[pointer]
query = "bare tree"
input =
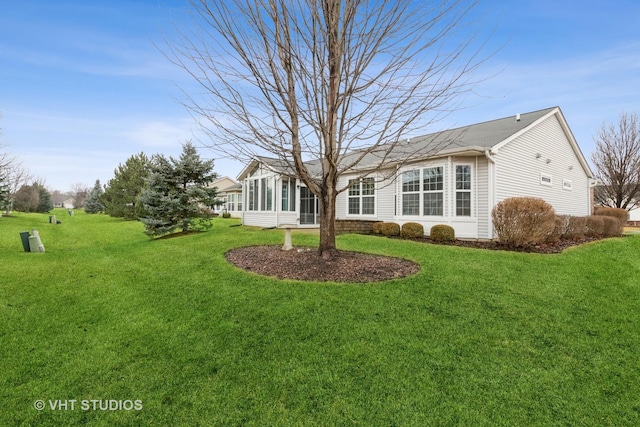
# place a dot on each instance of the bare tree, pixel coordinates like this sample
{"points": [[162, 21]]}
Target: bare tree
{"points": [[15, 176], [617, 163], [329, 81], [79, 192]]}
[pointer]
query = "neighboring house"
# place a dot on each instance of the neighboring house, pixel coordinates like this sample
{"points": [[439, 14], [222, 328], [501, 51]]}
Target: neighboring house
{"points": [[62, 201], [532, 154], [230, 194]]}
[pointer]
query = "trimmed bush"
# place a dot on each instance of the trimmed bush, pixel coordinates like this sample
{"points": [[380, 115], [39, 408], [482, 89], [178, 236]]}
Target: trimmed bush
{"points": [[575, 227], [377, 227], [622, 215], [611, 226], [522, 221], [226, 215], [594, 226], [390, 229], [412, 230], [442, 233], [558, 229]]}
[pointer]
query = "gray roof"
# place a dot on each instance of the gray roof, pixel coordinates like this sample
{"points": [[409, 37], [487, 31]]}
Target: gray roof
{"points": [[475, 138]]}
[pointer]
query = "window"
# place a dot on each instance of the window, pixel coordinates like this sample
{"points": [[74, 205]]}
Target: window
{"points": [[463, 190], [361, 196], [231, 202], [266, 193], [432, 185], [259, 194], [546, 179], [253, 196], [288, 194], [411, 192]]}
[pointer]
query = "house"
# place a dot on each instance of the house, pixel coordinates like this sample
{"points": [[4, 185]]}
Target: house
{"points": [[230, 196], [465, 174], [60, 200]]}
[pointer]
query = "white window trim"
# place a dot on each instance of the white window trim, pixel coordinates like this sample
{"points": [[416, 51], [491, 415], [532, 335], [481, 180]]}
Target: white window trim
{"points": [[421, 191], [543, 177], [443, 191], [567, 184], [360, 197], [471, 191]]}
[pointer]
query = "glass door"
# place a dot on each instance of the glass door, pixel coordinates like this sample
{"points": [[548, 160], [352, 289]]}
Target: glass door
{"points": [[308, 206]]}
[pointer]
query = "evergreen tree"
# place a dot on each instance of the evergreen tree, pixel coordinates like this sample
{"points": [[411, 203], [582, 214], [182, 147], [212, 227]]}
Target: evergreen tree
{"points": [[93, 203], [120, 197], [178, 193], [45, 204]]}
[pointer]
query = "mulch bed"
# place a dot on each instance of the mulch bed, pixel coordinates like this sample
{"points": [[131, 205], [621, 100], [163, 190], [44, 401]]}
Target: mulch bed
{"points": [[355, 267], [306, 264]]}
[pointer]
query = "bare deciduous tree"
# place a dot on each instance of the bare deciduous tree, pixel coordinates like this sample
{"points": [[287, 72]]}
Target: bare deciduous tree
{"points": [[617, 163], [330, 81]]}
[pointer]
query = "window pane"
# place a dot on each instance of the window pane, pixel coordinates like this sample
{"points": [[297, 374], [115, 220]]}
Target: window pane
{"points": [[269, 194], [354, 187], [433, 204], [368, 187], [354, 205], [463, 203], [463, 177], [411, 204], [368, 205], [285, 195], [432, 179], [411, 181]]}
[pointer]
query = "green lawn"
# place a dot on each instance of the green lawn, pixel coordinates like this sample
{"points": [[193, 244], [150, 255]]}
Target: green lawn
{"points": [[477, 338]]}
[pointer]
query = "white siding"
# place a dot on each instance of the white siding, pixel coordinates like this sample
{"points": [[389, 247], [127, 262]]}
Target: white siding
{"points": [[544, 149]]}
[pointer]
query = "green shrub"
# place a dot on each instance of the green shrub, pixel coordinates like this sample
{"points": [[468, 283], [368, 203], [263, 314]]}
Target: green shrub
{"points": [[412, 230], [622, 215], [226, 215], [575, 227], [442, 233], [390, 229], [611, 226], [521, 221], [594, 226], [377, 227]]}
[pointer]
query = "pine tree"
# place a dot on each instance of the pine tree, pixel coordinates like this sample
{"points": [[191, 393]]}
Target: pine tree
{"points": [[120, 198], [178, 193], [93, 203], [44, 198]]}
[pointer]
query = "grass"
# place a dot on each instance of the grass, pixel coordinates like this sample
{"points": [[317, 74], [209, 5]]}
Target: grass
{"points": [[477, 338]]}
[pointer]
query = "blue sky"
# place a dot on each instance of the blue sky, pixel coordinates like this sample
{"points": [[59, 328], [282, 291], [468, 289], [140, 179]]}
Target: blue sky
{"points": [[82, 86]]}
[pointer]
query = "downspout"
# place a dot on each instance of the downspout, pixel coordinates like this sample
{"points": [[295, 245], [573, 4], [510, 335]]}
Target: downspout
{"points": [[491, 191]]}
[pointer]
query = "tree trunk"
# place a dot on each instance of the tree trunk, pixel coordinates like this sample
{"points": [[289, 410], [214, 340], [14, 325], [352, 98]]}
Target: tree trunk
{"points": [[327, 248]]}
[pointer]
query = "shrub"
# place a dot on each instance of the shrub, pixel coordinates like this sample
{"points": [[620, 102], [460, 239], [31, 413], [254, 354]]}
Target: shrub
{"points": [[622, 215], [442, 233], [611, 226], [594, 226], [558, 229], [521, 221], [377, 227], [390, 229], [412, 230], [226, 215], [575, 227]]}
